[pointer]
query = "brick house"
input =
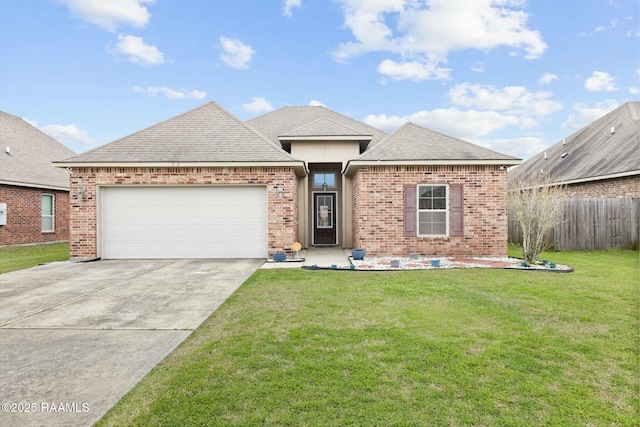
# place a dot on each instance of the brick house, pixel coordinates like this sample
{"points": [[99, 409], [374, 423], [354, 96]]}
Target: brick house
{"points": [[205, 184], [601, 160], [34, 195]]}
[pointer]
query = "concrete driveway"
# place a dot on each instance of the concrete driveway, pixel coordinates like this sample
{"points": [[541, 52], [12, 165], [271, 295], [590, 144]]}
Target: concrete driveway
{"points": [[75, 337]]}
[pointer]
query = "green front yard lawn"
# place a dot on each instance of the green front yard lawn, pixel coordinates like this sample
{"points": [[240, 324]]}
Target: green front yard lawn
{"points": [[448, 347], [19, 257]]}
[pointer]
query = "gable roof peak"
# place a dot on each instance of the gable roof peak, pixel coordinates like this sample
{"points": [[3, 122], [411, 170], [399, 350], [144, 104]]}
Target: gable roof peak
{"points": [[415, 142], [324, 126], [31, 151], [207, 133], [288, 119]]}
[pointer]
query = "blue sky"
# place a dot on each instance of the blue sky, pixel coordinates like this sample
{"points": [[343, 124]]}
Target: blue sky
{"points": [[512, 75]]}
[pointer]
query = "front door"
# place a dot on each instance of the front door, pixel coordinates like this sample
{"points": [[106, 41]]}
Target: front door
{"points": [[324, 222]]}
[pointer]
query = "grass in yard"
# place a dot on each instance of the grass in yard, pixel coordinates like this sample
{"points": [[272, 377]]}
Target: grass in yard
{"points": [[448, 347], [19, 257]]}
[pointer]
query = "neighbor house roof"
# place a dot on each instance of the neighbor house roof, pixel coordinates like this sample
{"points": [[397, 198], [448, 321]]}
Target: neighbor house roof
{"points": [[607, 148], [291, 121], [413, 144], [27, 153], [205, 135]]}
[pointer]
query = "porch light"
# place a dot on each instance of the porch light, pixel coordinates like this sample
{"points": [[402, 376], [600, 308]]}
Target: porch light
{"points": [[81, 191], [324, 187], [280, 191]]}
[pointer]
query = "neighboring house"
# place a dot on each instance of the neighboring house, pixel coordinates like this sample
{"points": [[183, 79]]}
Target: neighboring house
{"points": [[601, 160], [599, 168], [205, 184], [34, 195]]}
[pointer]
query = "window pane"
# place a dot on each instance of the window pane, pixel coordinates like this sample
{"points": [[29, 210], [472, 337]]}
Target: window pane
{"points": [[439, 203], [426, 204], [439, 228], [432, 223], [324, 178], [330, 179], [47, 223], [47, 204], [439, 191], [425, 191]]}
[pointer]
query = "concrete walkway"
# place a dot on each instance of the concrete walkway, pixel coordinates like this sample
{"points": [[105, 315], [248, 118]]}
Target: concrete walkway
{"points": [[321, 257], [74, 338]]}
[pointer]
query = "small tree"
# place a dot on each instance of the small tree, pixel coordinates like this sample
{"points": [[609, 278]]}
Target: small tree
{"points": [[535, 205]]}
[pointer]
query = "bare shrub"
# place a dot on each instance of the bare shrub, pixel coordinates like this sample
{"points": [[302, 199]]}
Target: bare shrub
{"points": [[535, 205]]}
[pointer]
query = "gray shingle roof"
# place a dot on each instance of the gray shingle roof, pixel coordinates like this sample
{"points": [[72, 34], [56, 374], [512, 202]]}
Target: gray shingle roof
{"points": [[593, 151], [285, 120], [32, 152], [413, 142], [325, 126], [205, 134]]}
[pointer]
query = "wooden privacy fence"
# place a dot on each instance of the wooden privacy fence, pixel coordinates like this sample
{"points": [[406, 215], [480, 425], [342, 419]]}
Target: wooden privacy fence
{"points": [[593, 224]]}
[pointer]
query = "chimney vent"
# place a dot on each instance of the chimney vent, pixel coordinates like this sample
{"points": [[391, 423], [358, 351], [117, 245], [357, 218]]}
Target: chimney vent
{"points": [[613, 130]]}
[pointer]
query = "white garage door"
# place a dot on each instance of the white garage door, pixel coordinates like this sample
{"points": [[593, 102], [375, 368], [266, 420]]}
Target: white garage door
{"points": [[183, 222]]}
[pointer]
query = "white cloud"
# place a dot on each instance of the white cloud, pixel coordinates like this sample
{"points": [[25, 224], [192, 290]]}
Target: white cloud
{"points": [[136, 51], [110, 14], [412, 70], [511, 99], [600, 82], [467, 124], [523, 148], [422, 34], [612, 24], [316, 103], [170, 93], [236, 54], [478, 67], [585, 113], [289, 5], [68, 134], [547, 78], [257, 105]]}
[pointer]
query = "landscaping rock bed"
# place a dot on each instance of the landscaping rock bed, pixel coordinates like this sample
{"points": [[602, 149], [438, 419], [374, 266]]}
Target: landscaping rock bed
{"points": [[425, 263]]}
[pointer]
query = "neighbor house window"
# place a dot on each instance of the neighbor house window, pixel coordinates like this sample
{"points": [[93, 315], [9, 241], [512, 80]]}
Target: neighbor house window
{"points": [[47, 212], [324, 179], [432, 210]]}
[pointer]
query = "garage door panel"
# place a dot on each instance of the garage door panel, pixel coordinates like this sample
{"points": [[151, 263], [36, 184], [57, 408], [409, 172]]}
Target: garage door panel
{"points": [[184, 222]]}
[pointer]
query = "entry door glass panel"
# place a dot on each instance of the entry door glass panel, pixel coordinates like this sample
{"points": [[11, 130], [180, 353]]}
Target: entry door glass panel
{"points": [[325, 222], [324, 211]]}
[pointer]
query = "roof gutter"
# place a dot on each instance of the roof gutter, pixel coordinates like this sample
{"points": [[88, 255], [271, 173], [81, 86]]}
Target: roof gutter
{"points": [[34, 185], [299, 167], [354, 165], [591, 179], [357, 138]]}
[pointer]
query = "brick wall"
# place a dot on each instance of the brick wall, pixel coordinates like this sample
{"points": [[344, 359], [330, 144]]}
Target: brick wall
{"points": [[283, 212], [628, 186], [378, 210], [24, 216]]}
